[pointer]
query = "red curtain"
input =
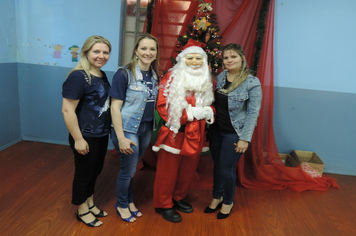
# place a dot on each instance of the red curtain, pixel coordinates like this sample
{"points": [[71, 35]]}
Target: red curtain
{"points": [[238, 23], [261, 167], [170, 19]]}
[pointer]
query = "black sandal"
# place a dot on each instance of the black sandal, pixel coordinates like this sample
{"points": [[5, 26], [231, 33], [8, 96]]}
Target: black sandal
{"points": [[100, 214], [91, 224]]}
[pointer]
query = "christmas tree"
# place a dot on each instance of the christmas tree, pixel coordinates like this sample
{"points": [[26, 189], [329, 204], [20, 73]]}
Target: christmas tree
{"points": [[204, 28]]}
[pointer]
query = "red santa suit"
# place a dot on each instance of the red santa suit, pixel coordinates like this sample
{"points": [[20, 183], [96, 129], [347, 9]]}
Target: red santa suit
{"points": [[179, 149]]}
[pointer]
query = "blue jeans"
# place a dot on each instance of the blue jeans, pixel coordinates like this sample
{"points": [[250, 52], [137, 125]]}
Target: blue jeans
{"points": [[128, 163], [225, 159]]}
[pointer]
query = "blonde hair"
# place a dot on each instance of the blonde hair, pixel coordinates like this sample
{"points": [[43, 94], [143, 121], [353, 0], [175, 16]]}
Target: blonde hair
{"points": [[244, 72], [83, 63], [133, 62]]}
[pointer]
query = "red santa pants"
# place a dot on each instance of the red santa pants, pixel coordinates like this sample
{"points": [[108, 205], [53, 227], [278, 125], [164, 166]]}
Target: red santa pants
{"points": [[174, 175]]}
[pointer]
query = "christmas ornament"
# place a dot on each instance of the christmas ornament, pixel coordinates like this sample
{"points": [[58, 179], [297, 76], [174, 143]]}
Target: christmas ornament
{"points": [[205, 6], [202, 23], [207, 36]]}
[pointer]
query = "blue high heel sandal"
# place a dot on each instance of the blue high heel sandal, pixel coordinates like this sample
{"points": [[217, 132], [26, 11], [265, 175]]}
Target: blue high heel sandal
{"points": [[135, 213], [124, 219]]}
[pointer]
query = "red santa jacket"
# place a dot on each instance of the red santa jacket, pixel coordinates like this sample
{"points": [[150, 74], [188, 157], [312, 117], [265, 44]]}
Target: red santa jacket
{"points": [[188, 143]]}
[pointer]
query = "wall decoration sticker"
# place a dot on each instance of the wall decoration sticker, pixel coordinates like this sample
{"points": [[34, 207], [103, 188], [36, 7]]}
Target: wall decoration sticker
{"points": [[74, 51]]}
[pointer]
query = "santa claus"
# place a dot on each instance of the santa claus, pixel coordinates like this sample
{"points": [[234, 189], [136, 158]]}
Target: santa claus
{"points": [[184, 103]]}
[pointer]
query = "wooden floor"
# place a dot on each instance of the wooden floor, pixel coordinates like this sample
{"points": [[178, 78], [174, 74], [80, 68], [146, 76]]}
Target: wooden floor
{"points": [[35, 199]]}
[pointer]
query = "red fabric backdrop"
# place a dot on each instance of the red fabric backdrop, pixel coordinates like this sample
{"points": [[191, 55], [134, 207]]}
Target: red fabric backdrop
{"points": [[238, 23], [261, 167], [170, 20]]}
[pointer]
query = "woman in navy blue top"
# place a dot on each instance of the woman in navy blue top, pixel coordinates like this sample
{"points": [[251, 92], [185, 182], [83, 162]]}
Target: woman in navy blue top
{"points": [[133, 97], [86, 112]]}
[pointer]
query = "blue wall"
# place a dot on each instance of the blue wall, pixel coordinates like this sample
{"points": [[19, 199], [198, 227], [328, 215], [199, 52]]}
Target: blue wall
{"points": [[314, 44], [315, 90], [318, 121], [10, 127], [43, 24], [8, 40], [41, 102], [31, 101]]}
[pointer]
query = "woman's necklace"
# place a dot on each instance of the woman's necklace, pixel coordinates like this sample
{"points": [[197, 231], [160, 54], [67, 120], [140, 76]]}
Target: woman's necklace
{"points": [[146, 72]]}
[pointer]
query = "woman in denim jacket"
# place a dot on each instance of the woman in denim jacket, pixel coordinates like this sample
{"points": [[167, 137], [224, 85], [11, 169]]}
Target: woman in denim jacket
{"points": [[238, 98], [133, 95]]}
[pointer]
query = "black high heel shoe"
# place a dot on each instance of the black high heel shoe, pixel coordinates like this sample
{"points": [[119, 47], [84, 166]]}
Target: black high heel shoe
{"points": [[100, 214], [211, 210], [224, 216], [90, 224]]}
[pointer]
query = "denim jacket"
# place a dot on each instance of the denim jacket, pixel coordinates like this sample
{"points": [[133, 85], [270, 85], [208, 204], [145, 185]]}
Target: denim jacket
{"points": [[135, 103], [244, 105]]}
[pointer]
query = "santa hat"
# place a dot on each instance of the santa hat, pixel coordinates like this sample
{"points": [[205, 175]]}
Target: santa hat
{"points": [[191, 47]]}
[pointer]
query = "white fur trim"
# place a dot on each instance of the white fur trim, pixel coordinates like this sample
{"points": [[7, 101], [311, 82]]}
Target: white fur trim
{"points": [[205, 149], [189, 113], [166, 148], [192, 49]]}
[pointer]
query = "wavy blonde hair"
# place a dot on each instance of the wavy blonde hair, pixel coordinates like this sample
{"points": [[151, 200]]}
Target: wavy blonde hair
{"points": [[83, 63], [133, 62], [244, 72]]}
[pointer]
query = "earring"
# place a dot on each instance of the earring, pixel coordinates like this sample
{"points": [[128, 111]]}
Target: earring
{"points": [[136, 57]]}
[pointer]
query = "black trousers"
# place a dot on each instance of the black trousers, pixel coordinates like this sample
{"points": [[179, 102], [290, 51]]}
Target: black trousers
{"points": [[87, 168]]}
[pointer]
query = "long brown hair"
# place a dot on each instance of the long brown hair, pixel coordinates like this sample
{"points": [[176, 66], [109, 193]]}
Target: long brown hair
{"points": [[132, 64], [244, 72]]}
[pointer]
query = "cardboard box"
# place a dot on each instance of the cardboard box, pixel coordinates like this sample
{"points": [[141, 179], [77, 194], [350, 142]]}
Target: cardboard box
{"points": [[288, 160], [310, 162]]}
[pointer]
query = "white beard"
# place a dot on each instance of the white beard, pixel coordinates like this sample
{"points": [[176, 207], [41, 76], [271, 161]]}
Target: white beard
{"points": [[194, 79], [182, 82]]}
